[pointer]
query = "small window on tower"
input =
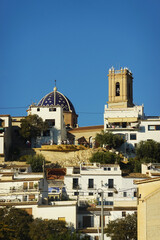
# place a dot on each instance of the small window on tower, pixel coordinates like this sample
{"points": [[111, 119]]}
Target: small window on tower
{"points": [[117, 89], [38, 109]]}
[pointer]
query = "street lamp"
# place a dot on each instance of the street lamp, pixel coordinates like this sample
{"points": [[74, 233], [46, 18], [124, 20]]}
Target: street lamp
{"points": [[102, 214]]}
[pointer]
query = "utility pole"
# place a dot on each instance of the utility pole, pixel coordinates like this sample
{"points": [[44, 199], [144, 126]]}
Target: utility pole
{"points": [[102, 217]]}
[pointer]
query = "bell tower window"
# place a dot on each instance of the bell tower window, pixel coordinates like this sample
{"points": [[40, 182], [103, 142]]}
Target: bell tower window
{"points": [[117, 89]]}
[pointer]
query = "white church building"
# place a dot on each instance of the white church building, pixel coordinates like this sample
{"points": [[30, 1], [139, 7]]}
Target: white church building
{"points": [[122, 117], [51, 109]]}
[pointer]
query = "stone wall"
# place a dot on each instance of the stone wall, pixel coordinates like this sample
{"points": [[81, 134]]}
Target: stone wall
{"points": [[67, 158]]}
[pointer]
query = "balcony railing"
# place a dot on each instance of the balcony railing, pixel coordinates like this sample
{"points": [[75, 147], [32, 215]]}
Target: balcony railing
{"points": [[12, 190], [76, 187]]}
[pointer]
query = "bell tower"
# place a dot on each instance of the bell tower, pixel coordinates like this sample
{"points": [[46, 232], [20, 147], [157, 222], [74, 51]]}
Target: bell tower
{"points": [[120, 88]]}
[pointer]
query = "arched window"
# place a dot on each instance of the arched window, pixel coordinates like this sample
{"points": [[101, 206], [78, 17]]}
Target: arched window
{"points": [[117, 89]]}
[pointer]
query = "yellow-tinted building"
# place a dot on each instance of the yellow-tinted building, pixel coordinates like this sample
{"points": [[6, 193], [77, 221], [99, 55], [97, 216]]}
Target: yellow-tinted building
{"points": [[149, 209]]}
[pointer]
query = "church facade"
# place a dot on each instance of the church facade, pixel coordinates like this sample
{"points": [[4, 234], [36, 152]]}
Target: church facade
{"points": [[122, 117]]}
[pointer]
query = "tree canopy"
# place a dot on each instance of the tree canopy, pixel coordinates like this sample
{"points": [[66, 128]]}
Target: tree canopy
{"points": [[123, 228], [105, 157], [148, 151], [14, 224], [36, 162], [109, 139], [52, 230], [17, 224], [31, 126]]}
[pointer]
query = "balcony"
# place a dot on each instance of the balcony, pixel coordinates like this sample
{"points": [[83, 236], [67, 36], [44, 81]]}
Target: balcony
{"points": [[118, 126], [76, 187], [16, 190]]}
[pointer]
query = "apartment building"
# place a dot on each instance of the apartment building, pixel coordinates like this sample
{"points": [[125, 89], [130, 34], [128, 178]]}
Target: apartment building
{"points": [[86, 184]]}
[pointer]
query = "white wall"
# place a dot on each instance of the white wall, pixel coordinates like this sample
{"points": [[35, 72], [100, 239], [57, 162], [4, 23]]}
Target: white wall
{"points": [[101, 180], [57, 132], [5, 137], [134, 112], [1, 144]]}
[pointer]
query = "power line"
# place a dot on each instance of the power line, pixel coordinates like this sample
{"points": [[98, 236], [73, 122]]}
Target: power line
{"points": [[13, 107], [90, 112], [29, 105]]}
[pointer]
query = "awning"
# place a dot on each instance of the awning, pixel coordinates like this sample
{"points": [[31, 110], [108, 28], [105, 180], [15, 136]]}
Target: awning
{"points": [[114, 120]]}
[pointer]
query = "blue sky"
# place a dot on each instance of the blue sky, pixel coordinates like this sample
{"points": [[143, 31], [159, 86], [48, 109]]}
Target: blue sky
{"points": [[76, 42]]}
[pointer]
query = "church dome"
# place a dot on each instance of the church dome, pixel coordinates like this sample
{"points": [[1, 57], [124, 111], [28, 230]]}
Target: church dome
{"points": [[57, 98]]}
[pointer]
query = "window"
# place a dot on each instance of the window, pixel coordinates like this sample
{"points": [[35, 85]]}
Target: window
{"points": [[25, 198], [110, 183], [90, 194], [115, 168], [75, 183], [90, 183], [38, 109], [133, 136], [107, 203], [107, 169], [46, 133], [30, 185], [87, 221], [1, 130], [124, 194], [31, 197], [25, 185], [110, 194], [135, 194], [124, 125], [52, 109], [51, 122], [117, 89], [123, 214], [153, 127], [1, 122], [157, 127], [76, 193]]}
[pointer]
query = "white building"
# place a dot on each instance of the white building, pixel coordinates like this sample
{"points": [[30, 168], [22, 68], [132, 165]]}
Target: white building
{"points": [[59, 112], [62, 210], [86, 184], [5, 136], [26, 187], [122, 117], [14, 168], [54, 117], [29, 191], [151, 169]]}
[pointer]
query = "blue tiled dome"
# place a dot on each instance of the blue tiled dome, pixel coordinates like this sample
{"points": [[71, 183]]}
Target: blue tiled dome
{"points": [[57, 98]]}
